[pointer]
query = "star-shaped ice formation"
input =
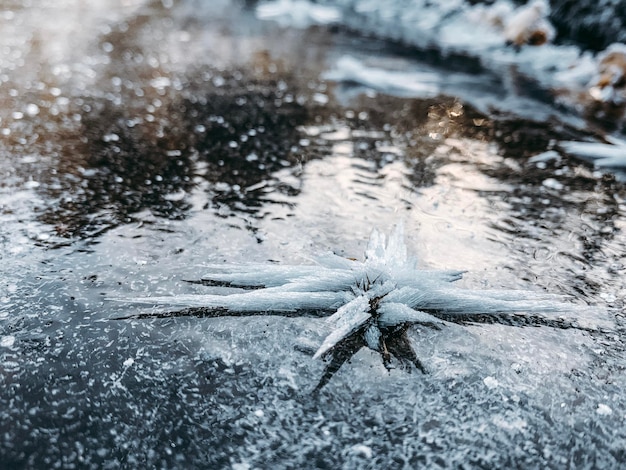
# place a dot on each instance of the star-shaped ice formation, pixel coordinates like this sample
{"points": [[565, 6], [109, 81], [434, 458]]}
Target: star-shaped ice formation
{"points": [[374, 301]]}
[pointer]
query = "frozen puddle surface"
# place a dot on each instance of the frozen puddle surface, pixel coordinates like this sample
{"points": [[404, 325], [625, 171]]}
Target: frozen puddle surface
{"points": [[176, 139]]}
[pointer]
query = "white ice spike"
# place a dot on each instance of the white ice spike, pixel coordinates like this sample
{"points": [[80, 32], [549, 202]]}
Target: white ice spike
{"points": [[374, 301]]}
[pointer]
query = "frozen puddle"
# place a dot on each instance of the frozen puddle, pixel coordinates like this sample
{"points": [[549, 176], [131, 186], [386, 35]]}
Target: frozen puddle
{"points": [[180, 141]]}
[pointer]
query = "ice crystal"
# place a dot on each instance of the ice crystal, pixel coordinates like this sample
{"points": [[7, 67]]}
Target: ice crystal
{"points": [[370, 303], [612, 155]]}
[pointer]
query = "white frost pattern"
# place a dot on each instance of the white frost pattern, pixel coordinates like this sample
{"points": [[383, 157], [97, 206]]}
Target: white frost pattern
{"points": [[374, 301], [611, 155]]}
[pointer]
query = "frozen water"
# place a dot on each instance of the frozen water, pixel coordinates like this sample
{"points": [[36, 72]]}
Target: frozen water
{"points": [[379, 295], [7, 341], [126, 183]]}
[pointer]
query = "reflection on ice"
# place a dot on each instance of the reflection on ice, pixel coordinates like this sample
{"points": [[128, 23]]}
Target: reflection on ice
{"points": [[298, 13], [413, 83]]}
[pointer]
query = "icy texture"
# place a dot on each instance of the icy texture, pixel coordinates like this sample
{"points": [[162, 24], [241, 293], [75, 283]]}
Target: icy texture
{"points": [[80, 390], [298, 13], [346, 321], [375, 300]]}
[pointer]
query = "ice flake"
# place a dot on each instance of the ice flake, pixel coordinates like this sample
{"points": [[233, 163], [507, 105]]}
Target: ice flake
{"points": [[363, 450], [393, 314]]}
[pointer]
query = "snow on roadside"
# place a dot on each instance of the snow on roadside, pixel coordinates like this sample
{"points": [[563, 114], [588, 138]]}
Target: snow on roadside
{"points": [[505, 39]]}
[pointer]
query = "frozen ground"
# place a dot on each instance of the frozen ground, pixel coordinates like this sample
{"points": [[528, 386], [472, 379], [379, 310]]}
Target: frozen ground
{"points": [[143, 142]]}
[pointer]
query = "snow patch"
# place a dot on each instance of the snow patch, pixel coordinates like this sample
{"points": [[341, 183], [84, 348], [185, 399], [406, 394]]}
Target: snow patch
{"points": [[298, 13]]}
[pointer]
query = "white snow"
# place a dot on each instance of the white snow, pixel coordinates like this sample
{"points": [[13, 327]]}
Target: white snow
{"points": [[453, 27], [521, 23]]}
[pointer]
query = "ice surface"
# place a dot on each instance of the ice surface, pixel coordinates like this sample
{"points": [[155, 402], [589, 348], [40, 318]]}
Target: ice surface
{"points": [[80, 389]]}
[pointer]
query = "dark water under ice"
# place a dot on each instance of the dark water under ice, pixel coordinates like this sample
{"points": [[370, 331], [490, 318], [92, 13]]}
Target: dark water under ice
{"points": [[140, 141]]}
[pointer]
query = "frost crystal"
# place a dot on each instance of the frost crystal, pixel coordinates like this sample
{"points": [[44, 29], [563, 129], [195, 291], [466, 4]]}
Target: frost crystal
{"points": [[370, 303], [602, 155]]}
